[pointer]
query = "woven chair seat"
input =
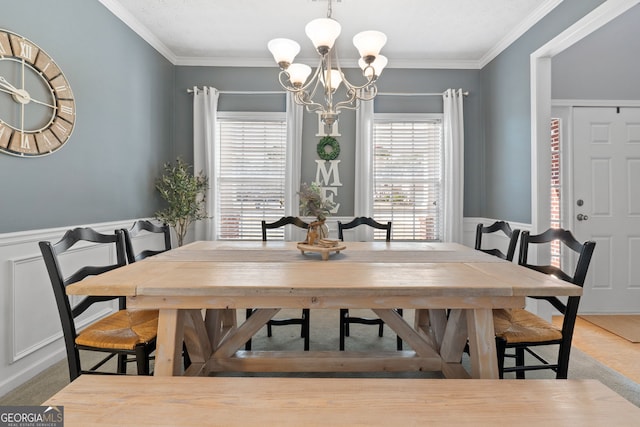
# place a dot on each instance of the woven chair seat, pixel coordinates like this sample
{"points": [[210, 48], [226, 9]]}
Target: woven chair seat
{"points": [[522, 326], [122, 330]]}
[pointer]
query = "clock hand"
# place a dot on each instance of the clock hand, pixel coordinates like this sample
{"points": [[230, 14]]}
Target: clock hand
{"points": [[4, 83], [43, 103], [10, 92]]}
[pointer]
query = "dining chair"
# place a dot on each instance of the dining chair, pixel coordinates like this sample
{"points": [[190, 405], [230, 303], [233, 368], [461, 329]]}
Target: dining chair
{"points": [[523, 331], [498, 227], [345, 318], [124, 333], [303, 321], [143, 227]]}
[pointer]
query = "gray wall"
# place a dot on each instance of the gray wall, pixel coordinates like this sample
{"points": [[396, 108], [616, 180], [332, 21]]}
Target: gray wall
{"points": [[392, 80], [603, 65], [134, 114], [124, 98], [507, 115]]}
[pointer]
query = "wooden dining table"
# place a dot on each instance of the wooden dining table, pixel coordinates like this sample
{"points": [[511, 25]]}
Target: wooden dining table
{"points": [[198, 287]]}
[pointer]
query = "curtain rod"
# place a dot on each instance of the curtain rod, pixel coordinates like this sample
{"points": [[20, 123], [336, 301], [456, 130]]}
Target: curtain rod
{"points": [[245, 92], [466, 93]]}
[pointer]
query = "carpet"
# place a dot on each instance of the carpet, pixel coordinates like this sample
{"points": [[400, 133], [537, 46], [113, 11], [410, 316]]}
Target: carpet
{"points": [[324, 336], [626, 326]]}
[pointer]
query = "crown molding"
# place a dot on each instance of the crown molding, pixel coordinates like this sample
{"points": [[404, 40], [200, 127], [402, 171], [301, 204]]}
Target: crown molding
{"points": [[268, 63], [518, 31], [142, 31], [135, 25]]}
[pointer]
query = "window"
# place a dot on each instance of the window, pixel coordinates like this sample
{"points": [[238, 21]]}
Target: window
{"points": [[250, 173], [407, 174]]}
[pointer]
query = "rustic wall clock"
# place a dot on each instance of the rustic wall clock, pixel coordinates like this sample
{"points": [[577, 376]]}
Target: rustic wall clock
{"points": [[37, 108]]}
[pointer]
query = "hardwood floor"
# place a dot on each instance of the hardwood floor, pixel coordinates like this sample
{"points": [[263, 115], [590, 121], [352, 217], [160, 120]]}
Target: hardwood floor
{"points": [[609, 349]]}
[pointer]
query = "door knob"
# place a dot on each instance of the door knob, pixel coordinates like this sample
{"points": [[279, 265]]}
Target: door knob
{"points": [[581, 217]]}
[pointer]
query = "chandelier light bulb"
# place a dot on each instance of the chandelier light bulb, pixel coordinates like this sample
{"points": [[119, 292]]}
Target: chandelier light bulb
{"points": [[334, 81], [323, 33], [375, 68], [369, 44], [298, 74], [284, 51]]}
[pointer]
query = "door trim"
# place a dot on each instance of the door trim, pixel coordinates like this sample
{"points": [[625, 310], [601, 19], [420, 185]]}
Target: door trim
{"points": [[540, 67]]}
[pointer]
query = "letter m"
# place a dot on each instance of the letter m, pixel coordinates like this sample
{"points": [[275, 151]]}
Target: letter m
{"points": [[323, 175]]}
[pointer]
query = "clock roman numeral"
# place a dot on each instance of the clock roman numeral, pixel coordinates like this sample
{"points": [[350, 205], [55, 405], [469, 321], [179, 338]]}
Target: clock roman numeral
{"points": [[61, 127], [5, 135], [24, 142], [47, 140], [65, 109], [26, 50]]}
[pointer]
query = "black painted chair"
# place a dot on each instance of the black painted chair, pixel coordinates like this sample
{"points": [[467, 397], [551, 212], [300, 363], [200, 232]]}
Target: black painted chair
{"points": [[139, 228], [345, 318], [303, 321], [362, 220], [498, 226], [522, 331], [122, 334]]}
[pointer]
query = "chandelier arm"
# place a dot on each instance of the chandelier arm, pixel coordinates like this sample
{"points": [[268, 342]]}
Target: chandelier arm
{"points": [[370, 83], [350, 86], [355, 96], [349, 103], [303, 98], [291, 88], [355, 106]]}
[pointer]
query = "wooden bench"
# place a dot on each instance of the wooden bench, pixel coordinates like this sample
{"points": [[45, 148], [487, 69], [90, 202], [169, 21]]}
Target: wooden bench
{"points": [[198, 401]]}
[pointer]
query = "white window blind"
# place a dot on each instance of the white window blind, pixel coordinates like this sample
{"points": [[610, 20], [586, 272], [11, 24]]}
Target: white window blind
{"points": [[250, 173], [407, 174]]}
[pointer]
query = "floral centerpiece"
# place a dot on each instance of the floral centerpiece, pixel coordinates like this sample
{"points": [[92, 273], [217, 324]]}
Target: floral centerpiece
{"points": [[312, 204]]}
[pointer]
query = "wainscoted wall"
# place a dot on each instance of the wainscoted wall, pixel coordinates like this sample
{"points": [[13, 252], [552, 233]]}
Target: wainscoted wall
{"points": [[30, 332]]}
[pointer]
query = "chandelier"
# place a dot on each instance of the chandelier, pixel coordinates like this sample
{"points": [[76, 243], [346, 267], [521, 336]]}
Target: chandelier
{"points": [[317, 93]]}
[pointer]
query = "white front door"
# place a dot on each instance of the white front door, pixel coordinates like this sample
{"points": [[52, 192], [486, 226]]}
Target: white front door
{"points": [[606, 205]]}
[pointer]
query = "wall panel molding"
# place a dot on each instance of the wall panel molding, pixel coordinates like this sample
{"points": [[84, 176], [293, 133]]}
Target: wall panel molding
{"points": [[30, 331]]}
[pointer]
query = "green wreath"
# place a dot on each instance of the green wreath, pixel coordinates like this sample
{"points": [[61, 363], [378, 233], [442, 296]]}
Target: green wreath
{"points": [[328, 141]]}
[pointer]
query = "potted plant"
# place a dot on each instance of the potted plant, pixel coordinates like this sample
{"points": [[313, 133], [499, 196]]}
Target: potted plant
{"points": [[184, 193], [312, 204]]}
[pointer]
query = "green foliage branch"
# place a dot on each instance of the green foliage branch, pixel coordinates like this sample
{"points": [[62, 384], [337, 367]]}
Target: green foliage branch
{"points": [[184, 193]]}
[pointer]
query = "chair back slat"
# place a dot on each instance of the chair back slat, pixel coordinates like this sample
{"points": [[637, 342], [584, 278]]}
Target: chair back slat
{"points": [[566, 238], [504, 228], [285, 220], [137, 229], [362, 220]]}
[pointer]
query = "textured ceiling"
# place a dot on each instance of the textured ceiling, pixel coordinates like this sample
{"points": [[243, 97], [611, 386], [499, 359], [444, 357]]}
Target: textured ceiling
{"points": [[421, 33]]}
